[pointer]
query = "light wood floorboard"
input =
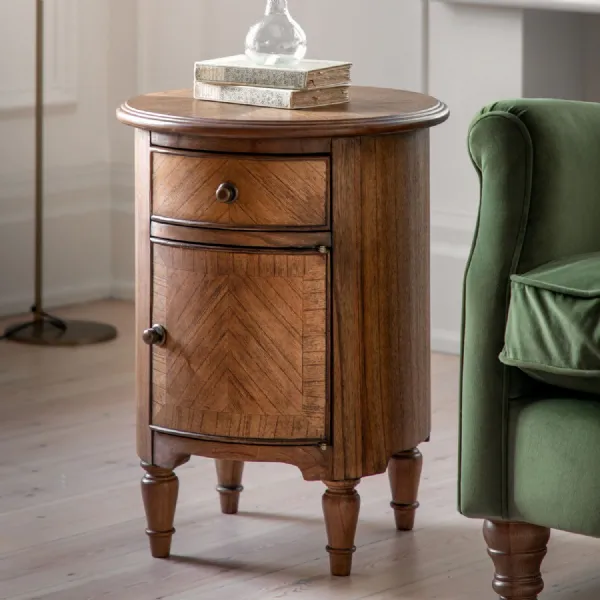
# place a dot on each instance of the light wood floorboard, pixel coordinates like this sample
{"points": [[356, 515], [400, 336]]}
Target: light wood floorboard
{"points": [[72, 524]]}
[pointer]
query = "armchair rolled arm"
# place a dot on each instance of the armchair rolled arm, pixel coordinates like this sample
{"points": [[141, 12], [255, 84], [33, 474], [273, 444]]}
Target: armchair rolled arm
{"points": [[538, 162]]}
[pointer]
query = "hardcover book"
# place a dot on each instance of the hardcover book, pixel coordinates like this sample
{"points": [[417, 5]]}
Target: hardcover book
{"points": [[307, 74], [271, 97]]}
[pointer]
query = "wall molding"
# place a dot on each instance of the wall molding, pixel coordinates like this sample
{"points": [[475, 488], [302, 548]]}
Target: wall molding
{"points": [[452, 233], [80, 197], [61, 188], [584, 6], [123, 290], [123, 188], [61, 56], [425, 45]]}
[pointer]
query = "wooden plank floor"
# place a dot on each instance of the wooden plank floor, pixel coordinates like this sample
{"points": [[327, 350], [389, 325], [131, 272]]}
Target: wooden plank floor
{"points": [[72, 525]]}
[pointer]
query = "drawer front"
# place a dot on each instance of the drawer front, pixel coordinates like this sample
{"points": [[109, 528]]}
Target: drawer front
{"points": [[271, 192], [246, 347]]}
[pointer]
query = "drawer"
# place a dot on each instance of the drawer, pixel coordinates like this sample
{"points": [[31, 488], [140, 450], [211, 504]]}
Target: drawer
{"points": [[245, 351], [265, 192]]}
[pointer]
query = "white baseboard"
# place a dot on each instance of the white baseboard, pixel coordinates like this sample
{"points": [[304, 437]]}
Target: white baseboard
{"points": [[56, 297], [123, 290], [446, 342]]}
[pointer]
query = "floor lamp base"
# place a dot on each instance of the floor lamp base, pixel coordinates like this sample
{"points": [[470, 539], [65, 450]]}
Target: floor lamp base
{"points": [[48, 331]]}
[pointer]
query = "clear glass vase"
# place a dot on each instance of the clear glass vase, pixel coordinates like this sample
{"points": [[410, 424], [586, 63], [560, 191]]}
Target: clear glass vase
{"points": [[276, 40]]}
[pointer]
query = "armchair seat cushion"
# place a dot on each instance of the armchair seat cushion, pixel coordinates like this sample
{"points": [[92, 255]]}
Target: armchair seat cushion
{"points": [[553, 454], [553, 326]]}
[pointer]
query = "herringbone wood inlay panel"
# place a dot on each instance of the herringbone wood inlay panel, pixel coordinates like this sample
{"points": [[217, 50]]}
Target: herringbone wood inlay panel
{"points": [[246, 345], [290, 192]]}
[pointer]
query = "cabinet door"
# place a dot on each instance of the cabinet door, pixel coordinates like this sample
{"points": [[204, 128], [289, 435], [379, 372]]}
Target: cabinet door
{"points": [[246, 349]]}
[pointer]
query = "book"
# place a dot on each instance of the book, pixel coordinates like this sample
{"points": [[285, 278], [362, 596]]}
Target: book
{"points": [[271, 97], [240, 70]]}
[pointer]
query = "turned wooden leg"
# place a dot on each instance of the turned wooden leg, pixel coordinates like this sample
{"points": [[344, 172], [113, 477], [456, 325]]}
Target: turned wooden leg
{"points": [[159, 491], [404, 471], [517, 550], [229, 475], [341, 504]]}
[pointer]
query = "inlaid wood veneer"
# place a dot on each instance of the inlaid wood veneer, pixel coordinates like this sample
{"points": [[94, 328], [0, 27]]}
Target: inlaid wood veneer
{"points": [[284, 192], [245, 354]]}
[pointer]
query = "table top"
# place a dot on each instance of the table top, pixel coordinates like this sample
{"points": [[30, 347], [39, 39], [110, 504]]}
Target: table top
{"points": [[370, 111]]}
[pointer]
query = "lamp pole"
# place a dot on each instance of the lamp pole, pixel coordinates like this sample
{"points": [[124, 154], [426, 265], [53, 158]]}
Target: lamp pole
{"points": [[39, 156]]}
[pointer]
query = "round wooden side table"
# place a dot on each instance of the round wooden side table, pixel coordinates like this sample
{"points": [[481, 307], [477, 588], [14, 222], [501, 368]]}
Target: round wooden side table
{"points": [[282, 303]]}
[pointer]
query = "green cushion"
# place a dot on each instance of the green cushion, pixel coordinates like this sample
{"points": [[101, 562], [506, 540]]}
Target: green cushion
{"points": [[553, 455], [553, 326]]}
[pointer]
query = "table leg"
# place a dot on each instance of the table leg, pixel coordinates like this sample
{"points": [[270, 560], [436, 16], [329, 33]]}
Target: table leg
{"points": [[229, 474], [404, 471], [160, 488], [341, 505]]}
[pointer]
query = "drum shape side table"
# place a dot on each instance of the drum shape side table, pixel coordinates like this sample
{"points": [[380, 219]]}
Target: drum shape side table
{"points": [[282, 297]]}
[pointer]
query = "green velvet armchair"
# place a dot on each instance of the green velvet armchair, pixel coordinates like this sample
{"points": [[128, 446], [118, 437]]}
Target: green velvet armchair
{"points": [[530, 362]]}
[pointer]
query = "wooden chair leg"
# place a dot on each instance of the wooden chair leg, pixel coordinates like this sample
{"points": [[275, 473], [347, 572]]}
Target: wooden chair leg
{"points": [[159, 492], [229, 475], [341, 505], [404, 472], [517, 550]]}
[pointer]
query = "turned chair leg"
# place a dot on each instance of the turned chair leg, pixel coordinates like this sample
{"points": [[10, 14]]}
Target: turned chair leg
{"points": [[159, 492], [404, 472], [517, 550], [341, 505], [229, 475]]}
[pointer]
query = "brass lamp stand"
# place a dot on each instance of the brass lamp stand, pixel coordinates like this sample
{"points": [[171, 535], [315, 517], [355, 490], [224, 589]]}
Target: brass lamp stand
{"points": [[44, 329]]}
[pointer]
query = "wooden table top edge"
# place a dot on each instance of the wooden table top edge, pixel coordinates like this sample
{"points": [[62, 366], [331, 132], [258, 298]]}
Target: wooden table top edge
{"points": [[326, 127]]}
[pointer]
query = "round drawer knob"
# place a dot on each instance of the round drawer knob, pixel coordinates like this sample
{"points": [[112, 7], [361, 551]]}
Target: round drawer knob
{"points": [[155, 336], [227, 193]]}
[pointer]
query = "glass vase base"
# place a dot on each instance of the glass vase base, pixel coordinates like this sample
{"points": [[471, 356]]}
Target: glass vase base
{"points": [[272, 60]]}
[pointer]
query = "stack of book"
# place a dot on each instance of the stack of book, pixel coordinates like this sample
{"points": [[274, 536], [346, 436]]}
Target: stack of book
{"points": [[308, 84]]}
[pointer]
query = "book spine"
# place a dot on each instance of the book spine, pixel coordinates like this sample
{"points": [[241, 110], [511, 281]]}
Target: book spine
{"points": [[270, 98], [260, 77]]}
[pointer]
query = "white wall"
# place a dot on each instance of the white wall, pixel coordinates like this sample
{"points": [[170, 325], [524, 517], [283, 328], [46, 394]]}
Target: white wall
{"points": [[123, 83], [480, 53], [172, 34], [109, 50], [383, 40], [475, 58], [553, 54], [591, 54], [387, 46], [385, 51], [77, 224], [154, 44]]}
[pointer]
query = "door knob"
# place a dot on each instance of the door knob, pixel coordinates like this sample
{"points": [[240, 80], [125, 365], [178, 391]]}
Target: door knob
{"points": [[227, 193], [155, 336]]}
